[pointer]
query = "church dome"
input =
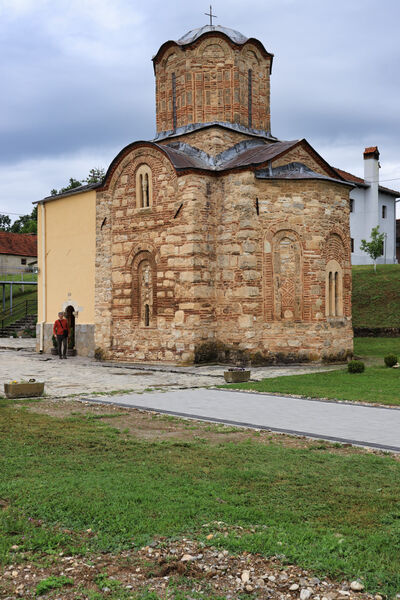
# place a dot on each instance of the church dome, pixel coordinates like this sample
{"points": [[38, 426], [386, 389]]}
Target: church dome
{"points": [[194, 34], [212, 74]]}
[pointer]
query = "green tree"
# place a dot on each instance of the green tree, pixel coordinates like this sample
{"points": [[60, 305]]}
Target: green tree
{"points": [[95, 176], [25, 223], [5, 223], [374, 248], [73, 183]]}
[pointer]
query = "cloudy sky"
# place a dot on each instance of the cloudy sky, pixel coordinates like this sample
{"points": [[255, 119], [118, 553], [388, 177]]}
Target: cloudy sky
{"points": [[77, 80]]}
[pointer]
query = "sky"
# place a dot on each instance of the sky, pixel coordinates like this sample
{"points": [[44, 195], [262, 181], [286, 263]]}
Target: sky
{"points": [[78, 83]]}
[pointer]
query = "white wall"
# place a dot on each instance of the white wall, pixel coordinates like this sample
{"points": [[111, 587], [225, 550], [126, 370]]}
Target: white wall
{"points": [[361, 225]]}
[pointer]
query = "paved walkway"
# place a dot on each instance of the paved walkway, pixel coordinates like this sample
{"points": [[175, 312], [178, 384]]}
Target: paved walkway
{"points": [[371, 426], [81, 375]]}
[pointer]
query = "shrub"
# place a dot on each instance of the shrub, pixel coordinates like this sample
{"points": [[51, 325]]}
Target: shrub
{"points": [[390, 360], [100, 354], [356, 366]]}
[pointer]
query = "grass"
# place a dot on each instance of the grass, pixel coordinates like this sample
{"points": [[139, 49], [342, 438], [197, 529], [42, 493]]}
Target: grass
{"points": [[377, 384], [376, 297], [53, 583], [376, 347], [337, 515]]}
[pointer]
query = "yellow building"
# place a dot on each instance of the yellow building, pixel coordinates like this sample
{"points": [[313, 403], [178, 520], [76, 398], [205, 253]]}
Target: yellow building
{"points": [[67, 249]]}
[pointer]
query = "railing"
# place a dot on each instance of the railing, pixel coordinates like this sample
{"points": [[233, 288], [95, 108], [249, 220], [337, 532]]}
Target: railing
{"points": [[4, 270], [19, 311]]}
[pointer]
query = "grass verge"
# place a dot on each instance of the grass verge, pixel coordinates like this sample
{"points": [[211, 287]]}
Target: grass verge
{"points": [[377, 385], [376, 297], [79, 485]]}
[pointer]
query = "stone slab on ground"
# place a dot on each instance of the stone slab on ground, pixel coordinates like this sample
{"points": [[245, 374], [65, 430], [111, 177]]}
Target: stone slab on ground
{"points": [[11, 343], [372, 426], [82, 375]]}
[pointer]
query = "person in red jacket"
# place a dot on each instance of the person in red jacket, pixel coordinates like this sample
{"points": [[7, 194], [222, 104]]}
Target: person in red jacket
{"points": [[61, 331]]}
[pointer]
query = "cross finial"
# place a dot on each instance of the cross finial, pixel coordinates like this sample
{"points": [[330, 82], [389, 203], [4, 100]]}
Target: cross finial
{"points": [[210, 14]]}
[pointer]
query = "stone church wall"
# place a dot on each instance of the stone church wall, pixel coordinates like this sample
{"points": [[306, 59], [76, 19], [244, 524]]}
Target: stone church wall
{"points": [[271, 275], [232, 263], [159, 249]]}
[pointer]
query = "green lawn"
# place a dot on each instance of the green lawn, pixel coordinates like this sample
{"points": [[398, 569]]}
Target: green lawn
{"points": [[376, 297], [376, 347], [377, 384], [334, 514]]}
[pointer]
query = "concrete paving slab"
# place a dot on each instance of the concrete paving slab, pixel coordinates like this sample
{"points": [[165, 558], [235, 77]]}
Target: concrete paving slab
{"points": [[371, 426]]}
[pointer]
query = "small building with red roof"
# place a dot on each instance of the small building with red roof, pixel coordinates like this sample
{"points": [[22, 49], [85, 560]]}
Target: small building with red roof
{"points": [[18, 252]]}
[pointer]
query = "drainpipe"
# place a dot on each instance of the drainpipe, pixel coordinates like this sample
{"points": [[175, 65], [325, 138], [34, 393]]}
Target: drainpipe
{"points": [[43, 267]]}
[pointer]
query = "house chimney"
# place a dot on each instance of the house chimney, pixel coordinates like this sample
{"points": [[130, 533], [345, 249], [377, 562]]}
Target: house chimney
{"points": [[371, 178], [371, 164]]}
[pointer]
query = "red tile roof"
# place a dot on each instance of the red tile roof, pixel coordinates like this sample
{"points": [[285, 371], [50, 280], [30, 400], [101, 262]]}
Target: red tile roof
{"points": [[353, 178], [19, 244], [371, 150], [349, 177]]}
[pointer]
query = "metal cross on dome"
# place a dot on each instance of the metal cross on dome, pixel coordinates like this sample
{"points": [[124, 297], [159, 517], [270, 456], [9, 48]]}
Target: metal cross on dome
{"points": [[210, 14]]}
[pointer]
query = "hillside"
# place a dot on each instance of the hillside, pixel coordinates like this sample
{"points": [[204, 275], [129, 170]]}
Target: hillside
{"points": [[376, 297]]}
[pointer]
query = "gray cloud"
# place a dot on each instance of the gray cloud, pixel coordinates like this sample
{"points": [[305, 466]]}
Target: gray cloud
{"points": [[79, 84]]}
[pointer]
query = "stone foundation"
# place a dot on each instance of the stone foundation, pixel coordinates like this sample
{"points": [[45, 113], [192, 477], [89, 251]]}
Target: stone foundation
{"points": [[84, 339]]}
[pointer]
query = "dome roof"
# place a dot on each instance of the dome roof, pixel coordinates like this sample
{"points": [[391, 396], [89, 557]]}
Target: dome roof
{"points": [[191, 36]]}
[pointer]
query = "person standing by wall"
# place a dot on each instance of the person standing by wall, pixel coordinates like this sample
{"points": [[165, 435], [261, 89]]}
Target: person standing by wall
{"points": [[61, 331]]}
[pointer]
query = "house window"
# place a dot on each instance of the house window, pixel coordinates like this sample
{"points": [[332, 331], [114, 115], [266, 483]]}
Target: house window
{"points": [[23, 261], [334, 289], [383, 211], [351, 205], [144, 187], [352, 244]]}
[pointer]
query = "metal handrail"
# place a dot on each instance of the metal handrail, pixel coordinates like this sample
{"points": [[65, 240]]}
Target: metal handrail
{"points": [[16, 312]]}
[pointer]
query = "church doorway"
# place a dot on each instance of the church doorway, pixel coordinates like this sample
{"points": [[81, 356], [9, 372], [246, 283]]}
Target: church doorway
{"points": [[70, 316]]}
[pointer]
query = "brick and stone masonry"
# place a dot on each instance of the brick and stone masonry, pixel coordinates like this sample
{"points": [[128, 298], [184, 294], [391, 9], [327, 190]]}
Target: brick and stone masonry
{"points": [[196, 261]]}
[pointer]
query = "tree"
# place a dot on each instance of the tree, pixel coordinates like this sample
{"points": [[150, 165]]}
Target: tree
{"points": [[73, 183], [374, 248], [95, 176], [5, 223], [25, 223]]}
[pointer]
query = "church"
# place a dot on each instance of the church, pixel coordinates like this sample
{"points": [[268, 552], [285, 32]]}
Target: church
{"points": [[215, 240]]}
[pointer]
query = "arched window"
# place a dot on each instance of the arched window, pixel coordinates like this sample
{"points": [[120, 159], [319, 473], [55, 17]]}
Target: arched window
{"points": [[144, 187], [145, 277], [334, 289]]}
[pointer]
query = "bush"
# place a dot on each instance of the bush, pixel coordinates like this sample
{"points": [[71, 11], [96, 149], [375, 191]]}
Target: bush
{"points": [[356, 366], [390, 360], [100, 354]]}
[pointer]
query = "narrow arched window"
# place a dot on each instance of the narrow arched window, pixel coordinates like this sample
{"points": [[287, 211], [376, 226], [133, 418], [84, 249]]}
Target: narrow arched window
{"points": [[337, 307], [334, 289], [146, 293], [146, 190], [144, 187]]}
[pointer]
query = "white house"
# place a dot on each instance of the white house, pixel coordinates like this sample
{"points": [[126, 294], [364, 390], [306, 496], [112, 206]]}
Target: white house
{"points": [[370, 205]]}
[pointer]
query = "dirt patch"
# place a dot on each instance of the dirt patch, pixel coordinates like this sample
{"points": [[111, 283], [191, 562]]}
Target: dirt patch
{"points": [[150, 425], [195, 568]]}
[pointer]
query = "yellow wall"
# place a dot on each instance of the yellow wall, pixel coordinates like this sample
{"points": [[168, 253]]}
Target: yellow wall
{"points": [[68, 266]]}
